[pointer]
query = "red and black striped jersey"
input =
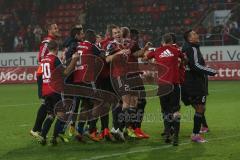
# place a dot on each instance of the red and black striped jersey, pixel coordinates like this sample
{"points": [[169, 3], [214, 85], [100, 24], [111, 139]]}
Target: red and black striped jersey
{"points": [[43, 49], [84, 71], [49, 65], [118, 64]]}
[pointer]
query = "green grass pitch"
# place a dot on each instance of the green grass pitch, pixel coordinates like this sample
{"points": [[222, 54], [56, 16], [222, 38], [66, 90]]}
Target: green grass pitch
{"points": [[19, 103]]}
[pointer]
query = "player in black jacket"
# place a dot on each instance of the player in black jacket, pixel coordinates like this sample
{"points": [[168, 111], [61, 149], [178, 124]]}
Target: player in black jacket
{"points": [[70, 47], [195, 87]]}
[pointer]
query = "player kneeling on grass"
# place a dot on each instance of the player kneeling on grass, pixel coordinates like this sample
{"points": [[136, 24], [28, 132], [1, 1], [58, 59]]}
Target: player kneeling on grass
{"points": [[169, 56], [50, 64]]}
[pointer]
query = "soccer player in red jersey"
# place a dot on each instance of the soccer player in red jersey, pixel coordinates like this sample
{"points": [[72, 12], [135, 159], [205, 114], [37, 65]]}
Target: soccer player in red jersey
{"points": [[169, 56], [108, 37], [117, 54], [181, 73], [53, 34], [84, 75], [136, 52], [70, 47], [50, 62], [112, 48], [104, 83]]}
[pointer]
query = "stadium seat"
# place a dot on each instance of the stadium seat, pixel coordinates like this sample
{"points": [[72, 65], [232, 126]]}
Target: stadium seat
{"points": [[74, 6], [79, 6], [163, 8], [61, 7]]}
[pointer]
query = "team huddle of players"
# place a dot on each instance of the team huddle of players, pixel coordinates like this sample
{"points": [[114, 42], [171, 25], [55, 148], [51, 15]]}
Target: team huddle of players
{"points": [[101, 76]]}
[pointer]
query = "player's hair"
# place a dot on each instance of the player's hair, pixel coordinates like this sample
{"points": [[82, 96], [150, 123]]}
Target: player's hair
{"points": [[77, 26], [186, 35], [167, 38], [48, 25], [134, 33], [111, 27], [99, 35], [174, 38], [125, 32], [52, 45], [75, 31], [90, 35]]}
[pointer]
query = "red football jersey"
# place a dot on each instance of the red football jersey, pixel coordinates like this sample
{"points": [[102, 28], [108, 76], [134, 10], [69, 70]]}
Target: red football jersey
{"points": [[131, 58], [43, 51], [49, 65], [85, 71], [103, 44], [169, 57], [118, 65], [106, 68], [182, 67]]}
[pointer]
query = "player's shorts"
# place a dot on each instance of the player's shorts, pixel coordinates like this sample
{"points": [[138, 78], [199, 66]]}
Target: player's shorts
{"points": [[135, 81], [195, 100], [170, 103], [87, 89], [105, 84], [137, 86], [120, 85], [51, 101]]}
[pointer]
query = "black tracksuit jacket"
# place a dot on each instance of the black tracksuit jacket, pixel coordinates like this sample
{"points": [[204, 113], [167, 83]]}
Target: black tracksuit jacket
{"points": [[196, 76]]}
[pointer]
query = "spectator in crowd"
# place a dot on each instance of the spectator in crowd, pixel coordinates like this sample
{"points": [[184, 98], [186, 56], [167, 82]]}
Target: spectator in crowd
{"points": [[1, 44], [160, 17], [38, 32], [18, 43], [82, 17], [29, 40]]}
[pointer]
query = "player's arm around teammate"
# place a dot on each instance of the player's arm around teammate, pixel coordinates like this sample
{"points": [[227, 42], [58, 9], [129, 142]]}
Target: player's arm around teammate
{"points": [[52, 79]]}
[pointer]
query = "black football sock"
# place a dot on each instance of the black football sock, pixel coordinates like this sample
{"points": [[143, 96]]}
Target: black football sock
{"points": [[93, 125], [123, 119], [41, 115], [197, 123], [204, 122], [176, 126], [167, 134], [80, 127], [140, 112], [77, 102], [59, 125], [115, 114], [104, 121], [167, 124], [132, 117], [47, 125]]}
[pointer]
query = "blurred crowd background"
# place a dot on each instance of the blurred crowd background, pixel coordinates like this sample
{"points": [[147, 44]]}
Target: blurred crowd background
{"points": [[22, 21]]}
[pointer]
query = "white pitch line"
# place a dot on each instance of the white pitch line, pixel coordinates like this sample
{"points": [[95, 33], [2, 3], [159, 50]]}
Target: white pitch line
{"points": [[152, 149], [16, 105], [24, 125]]}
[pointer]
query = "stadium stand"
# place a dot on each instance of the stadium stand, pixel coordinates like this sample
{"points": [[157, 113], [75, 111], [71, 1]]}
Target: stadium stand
{"points": [[21, 28]]}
